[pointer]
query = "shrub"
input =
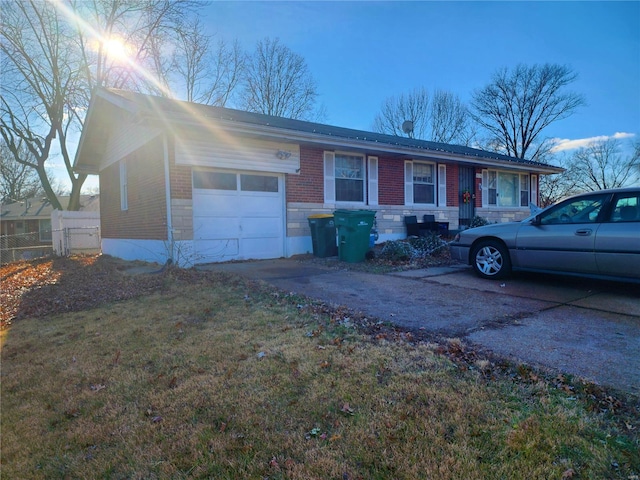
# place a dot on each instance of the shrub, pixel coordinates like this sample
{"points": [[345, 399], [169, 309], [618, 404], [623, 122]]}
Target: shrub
{"points": [[415, 248], [428, 245], [398, 250], [478, 222]]}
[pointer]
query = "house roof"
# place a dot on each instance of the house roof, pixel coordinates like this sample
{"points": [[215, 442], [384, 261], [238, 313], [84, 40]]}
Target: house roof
{"points": [[164, 112], [37, 208]]}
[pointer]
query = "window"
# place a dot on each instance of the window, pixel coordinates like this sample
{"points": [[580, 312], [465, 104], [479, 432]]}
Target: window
{"points": [[524, 190], [505, 189], [626, 208], [214, 180], [124, 194], [581, 210], [258, 183], [424, 190], [45, 230], [349, 178]]}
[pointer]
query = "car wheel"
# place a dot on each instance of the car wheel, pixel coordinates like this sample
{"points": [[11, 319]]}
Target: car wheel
{"points": [[491, 259]]}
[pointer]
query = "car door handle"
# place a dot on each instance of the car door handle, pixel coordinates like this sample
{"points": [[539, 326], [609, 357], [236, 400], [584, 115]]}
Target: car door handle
{"points": [[585, 232]]}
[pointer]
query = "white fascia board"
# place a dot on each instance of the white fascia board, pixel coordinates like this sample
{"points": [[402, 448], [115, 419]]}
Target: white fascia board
{"points": [[327, 141]]}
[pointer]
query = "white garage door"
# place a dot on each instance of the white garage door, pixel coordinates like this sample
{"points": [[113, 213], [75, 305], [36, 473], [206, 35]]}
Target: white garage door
{"points": [[237, 216]]}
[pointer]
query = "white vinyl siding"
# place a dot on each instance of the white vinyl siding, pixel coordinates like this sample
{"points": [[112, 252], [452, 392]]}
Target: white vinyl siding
{"points": [[373, 180], [218, 150]]}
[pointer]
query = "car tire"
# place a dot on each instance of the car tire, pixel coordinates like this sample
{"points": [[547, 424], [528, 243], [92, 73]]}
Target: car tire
{"points": [[490, 259]]}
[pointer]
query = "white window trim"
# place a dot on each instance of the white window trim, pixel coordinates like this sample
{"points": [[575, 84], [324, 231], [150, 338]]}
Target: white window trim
{"points": [[124, 187], [533, 190], [442, 185], [330, 179], [372, 180], [408, 183], [485, 188]]}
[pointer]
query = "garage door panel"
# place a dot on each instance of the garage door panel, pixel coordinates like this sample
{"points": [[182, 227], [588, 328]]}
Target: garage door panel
{"points": [[210, 227], [237, 224], [259, 248], [217, 250], [261, 227]]}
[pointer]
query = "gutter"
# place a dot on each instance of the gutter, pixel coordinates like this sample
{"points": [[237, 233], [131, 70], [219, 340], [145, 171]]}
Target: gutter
{"points": [[167, 186]]}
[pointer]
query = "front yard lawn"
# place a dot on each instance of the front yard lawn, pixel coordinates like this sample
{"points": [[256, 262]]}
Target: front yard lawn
{"points": [[185, 374]]}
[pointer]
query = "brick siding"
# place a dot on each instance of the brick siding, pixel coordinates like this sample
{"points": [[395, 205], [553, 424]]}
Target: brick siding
{"points": [[308, 186], [146, 216]]}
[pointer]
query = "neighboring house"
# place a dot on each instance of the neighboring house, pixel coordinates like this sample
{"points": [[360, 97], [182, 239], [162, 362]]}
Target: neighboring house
{"points": [[34, 215], [25, 226], [199, 184]]}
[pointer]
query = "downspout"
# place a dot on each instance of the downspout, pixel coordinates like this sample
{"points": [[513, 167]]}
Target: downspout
{"points": [[167, 186]]}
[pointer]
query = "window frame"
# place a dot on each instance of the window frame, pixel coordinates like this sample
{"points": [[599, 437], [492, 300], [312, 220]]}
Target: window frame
{"points": [[491, 190], [43, 232], [362, 179], [433, 184]]}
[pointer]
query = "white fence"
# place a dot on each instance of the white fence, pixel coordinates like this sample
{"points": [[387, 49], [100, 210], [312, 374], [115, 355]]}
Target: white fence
{"points": [[75, 232]]}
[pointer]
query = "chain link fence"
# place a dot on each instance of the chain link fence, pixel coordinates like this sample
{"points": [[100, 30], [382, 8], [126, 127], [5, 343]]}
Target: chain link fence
{"points": [[64, 242], [23, 246]]}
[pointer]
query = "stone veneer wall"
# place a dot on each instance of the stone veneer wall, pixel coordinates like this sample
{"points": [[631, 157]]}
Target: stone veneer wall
{"points": [[389, 219], [182, 219]]}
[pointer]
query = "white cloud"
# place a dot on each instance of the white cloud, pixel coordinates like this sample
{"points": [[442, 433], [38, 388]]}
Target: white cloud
{"points": [[562, 144]]}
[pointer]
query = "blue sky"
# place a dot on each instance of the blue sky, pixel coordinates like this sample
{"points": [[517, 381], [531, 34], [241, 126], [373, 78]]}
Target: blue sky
{"points": [[360, 53]]}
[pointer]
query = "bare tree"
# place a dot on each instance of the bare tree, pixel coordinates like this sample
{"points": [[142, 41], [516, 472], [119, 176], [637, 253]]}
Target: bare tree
{"points": [[518, 105], [210, 74], [557, 186], [412, 107], [55, 53], [39, 77], [278, 82], [443, 119], [17, 180], [601, 165]]}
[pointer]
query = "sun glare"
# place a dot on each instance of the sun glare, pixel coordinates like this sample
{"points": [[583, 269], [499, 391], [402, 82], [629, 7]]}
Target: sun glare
{"points": [[115, 49]]}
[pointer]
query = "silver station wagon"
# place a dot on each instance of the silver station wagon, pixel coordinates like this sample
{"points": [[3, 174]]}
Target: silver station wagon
{"points": [[593, 234]]}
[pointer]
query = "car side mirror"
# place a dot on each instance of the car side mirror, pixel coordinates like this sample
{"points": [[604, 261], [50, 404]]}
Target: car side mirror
{"points": [[536, 220]]}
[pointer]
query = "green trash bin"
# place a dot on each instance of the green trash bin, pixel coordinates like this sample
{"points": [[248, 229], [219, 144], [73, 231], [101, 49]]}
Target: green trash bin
{"points": [[323, 235], [354, 227]]}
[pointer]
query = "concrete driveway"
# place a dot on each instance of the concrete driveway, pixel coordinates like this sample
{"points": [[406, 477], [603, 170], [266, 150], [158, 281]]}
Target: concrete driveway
{"points": [[581, 327]]}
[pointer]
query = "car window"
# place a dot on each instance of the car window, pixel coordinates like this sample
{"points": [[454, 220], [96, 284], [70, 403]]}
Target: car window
{"points": [[626, 208], [580, 210]]}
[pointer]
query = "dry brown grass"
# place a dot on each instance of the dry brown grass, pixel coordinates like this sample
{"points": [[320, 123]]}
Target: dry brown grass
{"points": [[215, 377]]}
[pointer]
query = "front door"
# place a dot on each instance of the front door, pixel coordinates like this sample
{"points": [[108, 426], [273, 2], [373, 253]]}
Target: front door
{"points": [[466, 196]]}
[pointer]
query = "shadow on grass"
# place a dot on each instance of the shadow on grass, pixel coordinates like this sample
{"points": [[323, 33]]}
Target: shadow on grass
{"points": [[49, 286]]}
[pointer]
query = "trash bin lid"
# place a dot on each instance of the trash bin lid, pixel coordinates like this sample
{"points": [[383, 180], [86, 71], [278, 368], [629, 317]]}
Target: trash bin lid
{"points": [[321, 215]]}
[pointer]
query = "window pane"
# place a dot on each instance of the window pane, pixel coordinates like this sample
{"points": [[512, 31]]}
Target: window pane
{"points": [[627, 209], [508, 189], [422, 173], [349, 190], [258, 183], [493, 188], [349, 176], [214, 180], [423, 193], [583, 210], [45, 230], [349, 166], [524, 190]]}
